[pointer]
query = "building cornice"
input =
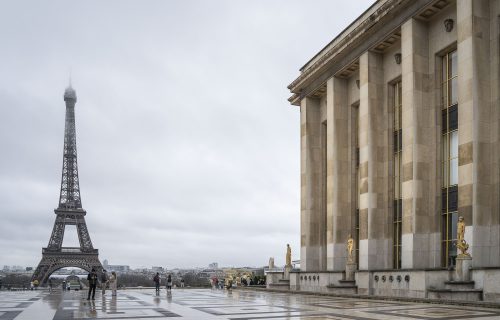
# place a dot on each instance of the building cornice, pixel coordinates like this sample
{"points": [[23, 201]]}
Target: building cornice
{"points": [[360, 33]]}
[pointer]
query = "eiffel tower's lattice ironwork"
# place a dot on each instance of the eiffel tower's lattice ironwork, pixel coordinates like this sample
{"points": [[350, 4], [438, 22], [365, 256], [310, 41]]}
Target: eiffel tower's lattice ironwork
{"points": [[69, 211]]}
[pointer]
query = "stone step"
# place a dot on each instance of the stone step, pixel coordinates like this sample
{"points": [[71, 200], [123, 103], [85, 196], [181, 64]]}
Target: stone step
{"points": [[456, 295], [279, 286], [343, 289], [347, 282], [459, 285]]}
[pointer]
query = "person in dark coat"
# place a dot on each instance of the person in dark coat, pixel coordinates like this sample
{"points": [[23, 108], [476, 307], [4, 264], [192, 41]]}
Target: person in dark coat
{"points": [[92, 278], [156, 279], [169, 283]]}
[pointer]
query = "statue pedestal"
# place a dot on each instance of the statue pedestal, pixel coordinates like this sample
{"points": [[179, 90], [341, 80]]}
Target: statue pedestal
{"points": [[286, 274], [350, 268], [462, 268]]}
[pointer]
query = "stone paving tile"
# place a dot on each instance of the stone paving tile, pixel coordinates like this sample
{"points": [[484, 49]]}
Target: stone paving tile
{"points": [[223, 305]]}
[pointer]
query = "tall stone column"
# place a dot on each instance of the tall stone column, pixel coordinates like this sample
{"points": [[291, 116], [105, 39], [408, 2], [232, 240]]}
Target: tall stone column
{"points": [[421, 237], [338, 174], [374, 243], [313, 245], [477, 120]]}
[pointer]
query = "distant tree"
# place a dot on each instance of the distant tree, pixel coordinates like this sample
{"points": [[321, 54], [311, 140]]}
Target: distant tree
{"points": [[191, 279], [16, 281], [135, 280]]}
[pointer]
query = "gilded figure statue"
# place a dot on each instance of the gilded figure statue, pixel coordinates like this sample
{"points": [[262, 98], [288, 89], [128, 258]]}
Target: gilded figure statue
{"points": [[350, 249], [461, 243], [288, 256]]}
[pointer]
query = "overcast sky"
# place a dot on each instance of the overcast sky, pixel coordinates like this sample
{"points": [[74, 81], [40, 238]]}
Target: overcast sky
{"points": [[188, 150]]}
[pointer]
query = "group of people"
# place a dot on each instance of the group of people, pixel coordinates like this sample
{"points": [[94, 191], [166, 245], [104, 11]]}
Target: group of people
{"points": [[157, 281], [106, 280], [34, 284]]}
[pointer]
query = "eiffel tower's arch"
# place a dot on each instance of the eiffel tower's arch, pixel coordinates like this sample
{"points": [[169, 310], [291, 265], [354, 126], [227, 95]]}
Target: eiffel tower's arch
{"points": [[69, 211]]}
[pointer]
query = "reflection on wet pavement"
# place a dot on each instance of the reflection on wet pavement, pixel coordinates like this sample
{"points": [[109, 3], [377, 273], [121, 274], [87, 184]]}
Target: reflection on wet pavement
{"points": [[209, 304]]}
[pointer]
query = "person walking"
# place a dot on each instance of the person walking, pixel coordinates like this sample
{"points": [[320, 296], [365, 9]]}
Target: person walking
{"points": [[50, 284], [182, 282], [169, 283], [113, 283], [92, 278], [104, 281], [156, 279]]}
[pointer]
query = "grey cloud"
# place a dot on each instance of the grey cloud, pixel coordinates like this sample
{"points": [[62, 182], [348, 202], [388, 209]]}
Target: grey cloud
{"points": [[189, 152]]}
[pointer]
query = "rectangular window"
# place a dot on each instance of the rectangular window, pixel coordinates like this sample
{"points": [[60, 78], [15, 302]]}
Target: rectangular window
{"points": [[397, 169], [355, 128], [449, 157]]}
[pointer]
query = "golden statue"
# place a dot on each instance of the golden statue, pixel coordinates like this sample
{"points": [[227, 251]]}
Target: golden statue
{"points": [[288, 256], [350, 249], [461, 243]]}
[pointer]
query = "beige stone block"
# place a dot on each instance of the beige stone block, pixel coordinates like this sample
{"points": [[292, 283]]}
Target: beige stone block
{"points": [[407, 171], [407, 153], [407, 220], [465, 153], [407, 192], [363, 224], [363, 200], [363, 188], [484, 130], [363, 170], [465, 195], [465, 134], [422, 223], [465, 83], [483, 198], [466, 212], [484, 154], [465, 174], [466, 112]]}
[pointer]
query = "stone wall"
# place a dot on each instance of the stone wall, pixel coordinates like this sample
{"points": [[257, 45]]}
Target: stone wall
{"points": [[359, 107]]}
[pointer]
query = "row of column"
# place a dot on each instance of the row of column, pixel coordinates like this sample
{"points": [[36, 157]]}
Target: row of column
{"points": [[324, 247]]}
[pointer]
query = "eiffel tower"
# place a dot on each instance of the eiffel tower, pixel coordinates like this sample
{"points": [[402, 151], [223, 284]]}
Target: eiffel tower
{"points": [[69, 211]]}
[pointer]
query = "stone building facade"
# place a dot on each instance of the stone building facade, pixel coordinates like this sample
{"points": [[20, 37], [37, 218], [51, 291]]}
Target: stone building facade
{"points": [[399, 137]]}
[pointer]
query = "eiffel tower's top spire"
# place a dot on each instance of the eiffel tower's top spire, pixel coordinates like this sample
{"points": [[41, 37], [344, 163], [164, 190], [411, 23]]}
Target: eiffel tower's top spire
{"points": [[70, 187], [69, 93]]}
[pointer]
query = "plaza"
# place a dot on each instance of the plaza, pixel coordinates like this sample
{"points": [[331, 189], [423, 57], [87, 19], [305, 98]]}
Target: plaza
{"points": [[218, 304]]}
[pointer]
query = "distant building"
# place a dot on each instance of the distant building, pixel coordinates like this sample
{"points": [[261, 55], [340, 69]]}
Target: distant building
{"points": [[118, 268], [213, 265]]}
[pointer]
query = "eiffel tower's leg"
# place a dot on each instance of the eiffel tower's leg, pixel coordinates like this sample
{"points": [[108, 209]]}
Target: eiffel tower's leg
{"points": [[42, 271], [83, 235], [56, 239], [53, 261]]}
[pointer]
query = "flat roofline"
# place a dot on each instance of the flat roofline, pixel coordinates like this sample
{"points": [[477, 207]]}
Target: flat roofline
{"points": [[339, 35]]}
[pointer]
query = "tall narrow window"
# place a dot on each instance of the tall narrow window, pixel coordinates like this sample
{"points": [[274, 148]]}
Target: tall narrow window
{"points": [[357, 178], [323, 222], [397, 147], [449, 158]]}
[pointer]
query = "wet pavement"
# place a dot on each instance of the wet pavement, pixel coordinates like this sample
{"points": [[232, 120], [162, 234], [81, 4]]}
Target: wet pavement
{"points": [[212, 304]]}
